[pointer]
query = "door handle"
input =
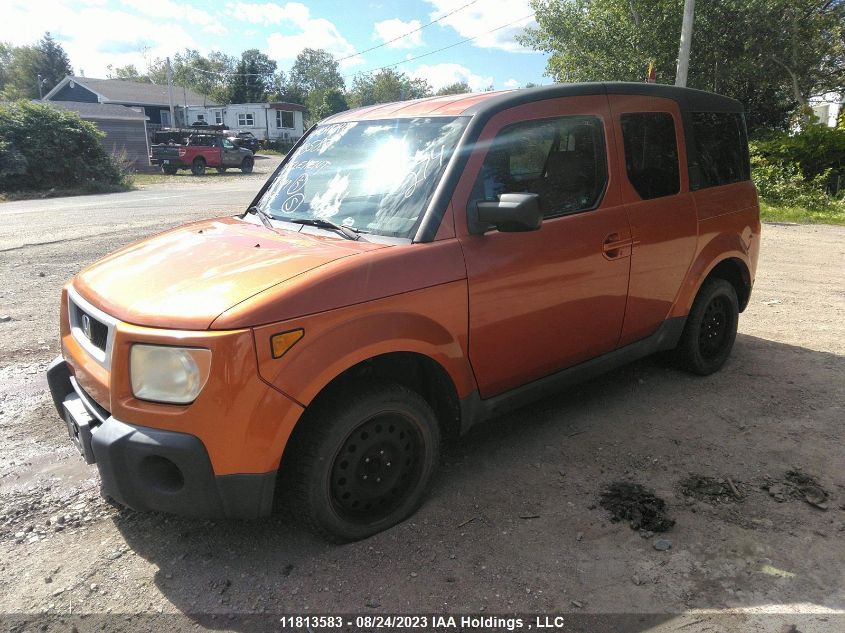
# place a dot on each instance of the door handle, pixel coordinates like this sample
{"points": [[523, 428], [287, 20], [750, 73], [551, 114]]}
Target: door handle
{"points": [[614, 247]]}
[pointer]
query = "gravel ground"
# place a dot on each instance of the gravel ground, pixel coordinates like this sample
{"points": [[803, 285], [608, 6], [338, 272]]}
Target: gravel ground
{"points": [[515, 522]]}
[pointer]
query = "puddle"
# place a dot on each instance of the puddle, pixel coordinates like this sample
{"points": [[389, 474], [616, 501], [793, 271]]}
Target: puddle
{"points": [[637, 505]]}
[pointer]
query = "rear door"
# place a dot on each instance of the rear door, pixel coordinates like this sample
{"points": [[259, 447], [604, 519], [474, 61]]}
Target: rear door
{"points": [[655, 190], [544, 300]]}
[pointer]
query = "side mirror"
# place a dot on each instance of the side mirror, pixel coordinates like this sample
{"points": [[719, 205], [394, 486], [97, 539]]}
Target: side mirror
{"points": [[512, 213]]}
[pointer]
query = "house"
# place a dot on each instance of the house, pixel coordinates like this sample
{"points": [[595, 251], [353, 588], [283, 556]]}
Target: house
{"points": [[271, 121], [828, 107], [152, 99], [125, 128]]}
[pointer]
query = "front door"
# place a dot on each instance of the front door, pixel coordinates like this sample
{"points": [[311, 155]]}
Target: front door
{"points": [[230, 154], [545, 300]]}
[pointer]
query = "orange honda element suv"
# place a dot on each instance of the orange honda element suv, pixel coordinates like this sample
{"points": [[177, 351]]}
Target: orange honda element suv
{"points": [[410, 269]]}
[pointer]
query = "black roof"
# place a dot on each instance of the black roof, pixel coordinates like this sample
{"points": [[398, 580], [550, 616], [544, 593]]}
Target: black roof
{"points": [[688, 99]]}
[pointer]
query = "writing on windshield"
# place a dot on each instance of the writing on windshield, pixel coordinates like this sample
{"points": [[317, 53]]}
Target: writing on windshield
{"points": [[372, 176]]}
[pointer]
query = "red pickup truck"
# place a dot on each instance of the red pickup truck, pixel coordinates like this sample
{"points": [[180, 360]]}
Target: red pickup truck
{"points": [[201, 151]]}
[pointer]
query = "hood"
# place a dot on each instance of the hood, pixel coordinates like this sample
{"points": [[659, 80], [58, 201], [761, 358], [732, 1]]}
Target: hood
{"points": [[186, 277]]}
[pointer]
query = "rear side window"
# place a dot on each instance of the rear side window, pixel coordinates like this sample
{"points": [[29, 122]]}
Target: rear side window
{"points": [[562, 160], [721, 149], [651, 153]]}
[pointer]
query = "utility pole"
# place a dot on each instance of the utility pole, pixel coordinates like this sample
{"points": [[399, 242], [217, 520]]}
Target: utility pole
{"points": [[686, 42], [40, 88], [170, 93]]}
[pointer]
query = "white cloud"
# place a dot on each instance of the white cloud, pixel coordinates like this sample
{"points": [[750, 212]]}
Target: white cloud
{"points": [[93, 36], [173, 11], [511, 83], [479, 18], [439, 75], [308, 32], [388, 30]]}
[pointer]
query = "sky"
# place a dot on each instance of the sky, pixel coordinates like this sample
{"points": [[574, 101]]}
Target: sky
{"points": [[96, 33]]}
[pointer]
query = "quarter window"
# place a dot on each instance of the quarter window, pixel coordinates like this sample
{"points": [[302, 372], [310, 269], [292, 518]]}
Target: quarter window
{"points": [[721, 149], [562, 160], [246, 119], [651, 153]]}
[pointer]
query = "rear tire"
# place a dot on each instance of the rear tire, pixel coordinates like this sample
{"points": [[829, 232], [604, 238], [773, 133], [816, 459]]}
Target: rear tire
{"points": [[247, 165], [710, 330], [362, 461], [198, 167], [170, 170]]}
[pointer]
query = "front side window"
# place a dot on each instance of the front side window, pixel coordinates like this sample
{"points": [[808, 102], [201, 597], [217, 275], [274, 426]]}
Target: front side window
{"points": [[372, 176], [562, 160], [246, 119], [721, 149], [651, 153]]}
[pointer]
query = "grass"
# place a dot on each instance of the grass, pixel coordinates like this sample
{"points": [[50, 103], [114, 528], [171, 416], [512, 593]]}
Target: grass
{"points": [[835, 214], [185, 176], [84, 190]]}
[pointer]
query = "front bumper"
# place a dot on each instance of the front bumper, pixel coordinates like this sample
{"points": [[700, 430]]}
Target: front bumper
{"points": [[154, 469]]}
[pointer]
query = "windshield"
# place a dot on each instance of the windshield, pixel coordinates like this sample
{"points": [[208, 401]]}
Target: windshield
{"points": [[371, 176]]}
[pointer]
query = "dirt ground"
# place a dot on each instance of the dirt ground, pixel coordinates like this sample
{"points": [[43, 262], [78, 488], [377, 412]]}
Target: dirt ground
{"points": [[515, 521]]}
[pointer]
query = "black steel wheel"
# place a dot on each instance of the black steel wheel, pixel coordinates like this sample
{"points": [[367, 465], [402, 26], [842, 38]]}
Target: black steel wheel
{"points": [[247, 165], [170, 170], [360, 460], [710, 330], [377, 464]]}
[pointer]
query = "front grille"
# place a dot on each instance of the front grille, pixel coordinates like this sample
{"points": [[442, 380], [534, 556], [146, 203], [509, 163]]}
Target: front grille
{"points": [[94, 330]]}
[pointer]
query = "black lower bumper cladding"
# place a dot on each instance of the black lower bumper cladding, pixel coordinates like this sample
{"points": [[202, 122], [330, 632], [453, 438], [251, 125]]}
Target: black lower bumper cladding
{"points": [[153, 469]]}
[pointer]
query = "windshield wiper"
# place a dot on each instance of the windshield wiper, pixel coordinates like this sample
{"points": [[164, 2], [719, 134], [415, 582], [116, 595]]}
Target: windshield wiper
{"points": [[262, 215], [347, 232]]}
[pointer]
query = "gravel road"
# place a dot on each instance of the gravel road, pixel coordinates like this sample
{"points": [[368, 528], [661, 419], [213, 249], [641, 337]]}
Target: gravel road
{"points": [[514, 522]]}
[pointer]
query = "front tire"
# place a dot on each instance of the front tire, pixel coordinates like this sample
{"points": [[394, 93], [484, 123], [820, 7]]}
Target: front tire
{"points": [[710, 330], [247, 165], [170, 170], [363, 460]]}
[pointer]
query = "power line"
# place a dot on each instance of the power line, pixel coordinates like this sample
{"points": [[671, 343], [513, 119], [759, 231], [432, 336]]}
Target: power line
{"points": [[419, 28], [469, 39]]}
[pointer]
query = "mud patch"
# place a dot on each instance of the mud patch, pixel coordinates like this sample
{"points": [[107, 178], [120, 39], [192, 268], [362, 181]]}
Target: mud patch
{"points": [[637, 505], [797, 484], [711, 489]]}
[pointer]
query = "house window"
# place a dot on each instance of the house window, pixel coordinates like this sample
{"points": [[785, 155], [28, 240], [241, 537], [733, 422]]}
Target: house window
{"points": [[284, 118], [218, 117], [246, 119]]}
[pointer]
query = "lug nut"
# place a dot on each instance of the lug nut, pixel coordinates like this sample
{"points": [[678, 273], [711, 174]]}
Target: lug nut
{"points": [[366, 460], [363, 476], [387, 464], [378, 480]]}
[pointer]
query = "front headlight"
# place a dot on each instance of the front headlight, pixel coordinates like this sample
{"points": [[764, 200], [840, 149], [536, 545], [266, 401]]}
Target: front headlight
{"points": [[175, 375]]}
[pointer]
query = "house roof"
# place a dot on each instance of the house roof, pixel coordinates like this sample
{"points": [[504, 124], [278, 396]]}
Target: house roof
{"points": [[486, 103], [102, 111], [133, 92]]}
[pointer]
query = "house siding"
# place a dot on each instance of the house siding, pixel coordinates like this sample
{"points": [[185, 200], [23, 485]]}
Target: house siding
{"points": [[125, 135], [77, 93]]}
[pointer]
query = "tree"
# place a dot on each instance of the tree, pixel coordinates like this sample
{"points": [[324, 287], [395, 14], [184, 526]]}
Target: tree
{"points": [[385, 86], [457, 88], [785, 52], [252, 80], [321, 104], [314, 73], [24, 64], [126, 73]]}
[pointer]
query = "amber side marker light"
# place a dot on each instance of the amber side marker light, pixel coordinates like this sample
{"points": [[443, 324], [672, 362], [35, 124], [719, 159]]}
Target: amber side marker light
{"points": [[282, 342]]}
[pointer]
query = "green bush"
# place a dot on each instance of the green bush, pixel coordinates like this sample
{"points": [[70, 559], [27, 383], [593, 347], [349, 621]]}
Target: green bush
{"points": [[42, 147], [783, 183], [278, 145], [817, 149]]}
